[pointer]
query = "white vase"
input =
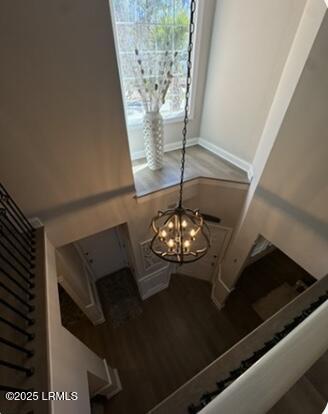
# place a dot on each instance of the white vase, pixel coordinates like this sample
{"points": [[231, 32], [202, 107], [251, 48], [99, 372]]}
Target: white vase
{"points": [[153, 138]]}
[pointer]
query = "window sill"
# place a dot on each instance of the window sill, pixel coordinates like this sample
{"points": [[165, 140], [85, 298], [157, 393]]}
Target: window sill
{"points": [[168, 120]]}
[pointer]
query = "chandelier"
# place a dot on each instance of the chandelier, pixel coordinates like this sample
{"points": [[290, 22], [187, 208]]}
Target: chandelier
{"points": [[181, 235]]}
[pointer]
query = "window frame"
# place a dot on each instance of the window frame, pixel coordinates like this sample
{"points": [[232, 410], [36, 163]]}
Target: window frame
{"points": [[197, 39]]}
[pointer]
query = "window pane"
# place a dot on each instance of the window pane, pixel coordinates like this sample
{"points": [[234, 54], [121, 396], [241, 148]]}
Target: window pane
{"points": [[152, 40], [181, 8], [126, 35], [124, 10]]}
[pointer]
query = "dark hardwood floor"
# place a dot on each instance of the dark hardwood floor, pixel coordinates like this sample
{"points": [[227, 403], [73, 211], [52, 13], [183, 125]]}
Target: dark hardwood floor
{"points": [[180, 332]]}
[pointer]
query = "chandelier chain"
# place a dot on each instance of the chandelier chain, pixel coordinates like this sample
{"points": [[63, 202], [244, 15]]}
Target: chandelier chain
{"points": [[187, 96]]}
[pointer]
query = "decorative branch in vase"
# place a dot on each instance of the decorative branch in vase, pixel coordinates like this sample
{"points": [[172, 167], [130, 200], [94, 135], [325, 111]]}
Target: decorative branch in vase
{"points": [[153, 85]]}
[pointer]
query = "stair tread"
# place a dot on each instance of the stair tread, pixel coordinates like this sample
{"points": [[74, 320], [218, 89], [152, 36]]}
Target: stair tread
{"points": [[303, 397]]}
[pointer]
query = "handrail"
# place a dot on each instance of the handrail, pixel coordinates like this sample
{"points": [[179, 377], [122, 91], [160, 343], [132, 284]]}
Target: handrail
{"points": [[257, 355], [260, 387], [229, 362]]}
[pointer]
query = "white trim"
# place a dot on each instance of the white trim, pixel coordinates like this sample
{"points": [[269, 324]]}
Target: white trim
{"points": [[116, 383], [229, 290], [163, 274], [199, 31], [215, 149], [143, 198], [171, 146], [228, 156], [154, 290], [220, 282], [167, 119], [191, 184], [153, 274], [218, 304]]}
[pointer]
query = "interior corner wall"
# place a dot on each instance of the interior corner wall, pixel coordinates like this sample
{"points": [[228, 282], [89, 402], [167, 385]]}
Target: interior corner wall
{"points": [[290, 203], [64, 153], [250, 44], [70, 267], [69, 360]]}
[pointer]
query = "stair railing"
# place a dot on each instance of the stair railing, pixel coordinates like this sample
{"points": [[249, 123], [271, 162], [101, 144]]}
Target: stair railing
{"points": [[222, 384], [17, 287]]}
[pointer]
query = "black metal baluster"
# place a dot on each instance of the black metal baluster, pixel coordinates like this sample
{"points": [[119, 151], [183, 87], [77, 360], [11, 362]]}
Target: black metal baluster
{"points": [[18, 261], [27, 224], [30, 321], [17, 297], [16, 225], [247, 363], [28, 260], [17, 248], [30, 284], [29, 336], [28, 371], [10, 344], [13, 280], [7, 224]]}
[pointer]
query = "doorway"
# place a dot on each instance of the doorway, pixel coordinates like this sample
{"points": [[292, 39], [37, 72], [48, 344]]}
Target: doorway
{"points": [[207, 267], [105, 252]]}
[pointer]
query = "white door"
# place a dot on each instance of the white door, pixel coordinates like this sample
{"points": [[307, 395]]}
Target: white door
{"points": [[105, 252], [204, 268]]}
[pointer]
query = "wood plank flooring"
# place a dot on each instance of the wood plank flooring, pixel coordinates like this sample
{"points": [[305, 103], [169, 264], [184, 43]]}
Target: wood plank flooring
{"points": [[199, 163], [180, 332]]}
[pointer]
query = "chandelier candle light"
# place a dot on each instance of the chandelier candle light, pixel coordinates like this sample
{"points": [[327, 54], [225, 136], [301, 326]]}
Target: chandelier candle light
{"points": [[181, 235]]}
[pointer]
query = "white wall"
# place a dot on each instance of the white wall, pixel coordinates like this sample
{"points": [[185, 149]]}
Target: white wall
{"points": [[70, 266], [221, 199], [290, 203], [250, 43], [70, 361], [63, 148]]}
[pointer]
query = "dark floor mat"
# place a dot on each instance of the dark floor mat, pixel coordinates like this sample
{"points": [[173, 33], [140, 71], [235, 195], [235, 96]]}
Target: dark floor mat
{"points": [[119, 297]]}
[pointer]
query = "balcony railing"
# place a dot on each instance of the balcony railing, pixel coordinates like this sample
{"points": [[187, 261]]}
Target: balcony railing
{"points": [[22, 333]]}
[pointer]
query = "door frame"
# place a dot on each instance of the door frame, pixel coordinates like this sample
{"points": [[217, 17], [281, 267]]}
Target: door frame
{"points": [[225, 244]]}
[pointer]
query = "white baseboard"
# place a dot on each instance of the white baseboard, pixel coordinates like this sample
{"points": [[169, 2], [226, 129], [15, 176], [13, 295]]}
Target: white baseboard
{"points": [[118, 387], [222, 153], [219, 305], [113, 386], [153, 283], [228, 156]]}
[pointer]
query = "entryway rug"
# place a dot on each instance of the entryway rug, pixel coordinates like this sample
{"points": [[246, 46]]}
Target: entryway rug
{"points": [[119, 297], [275, 300]]}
